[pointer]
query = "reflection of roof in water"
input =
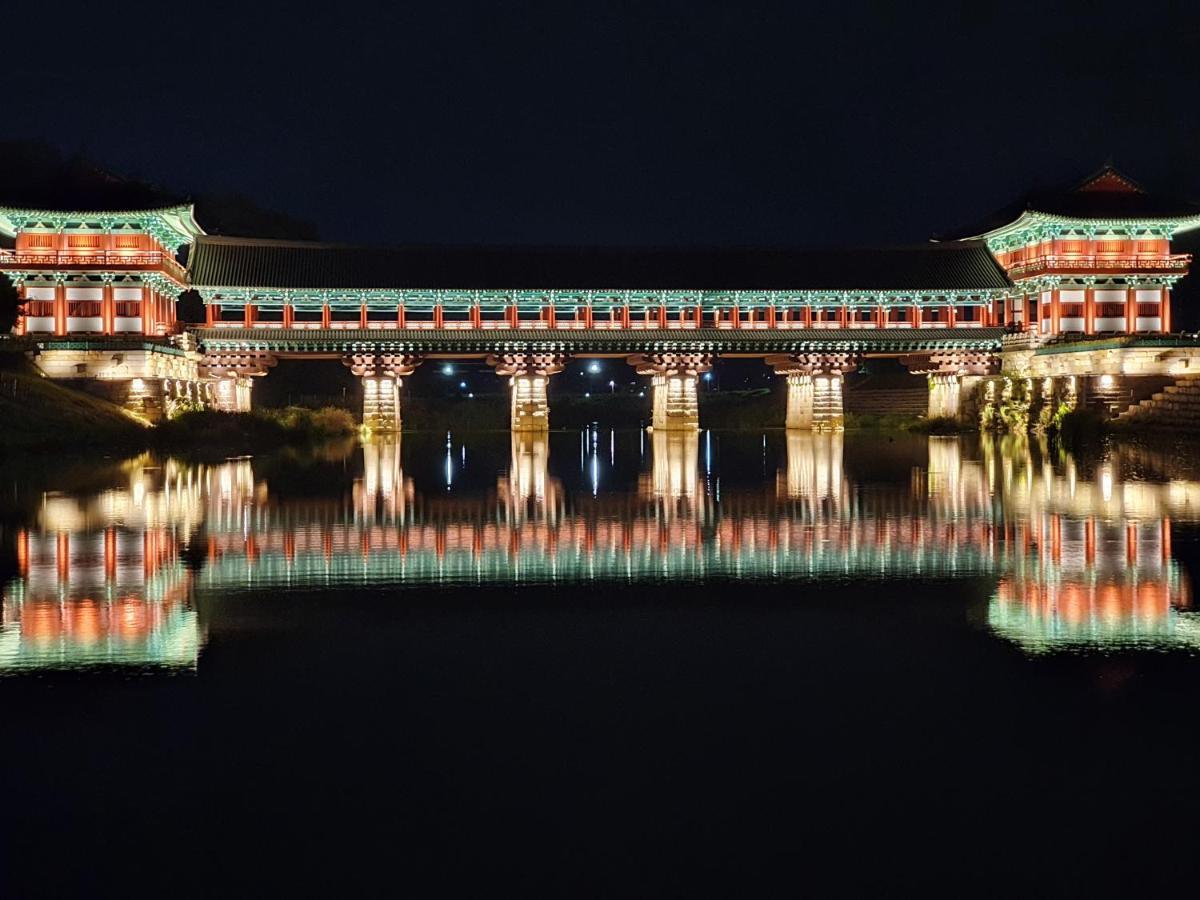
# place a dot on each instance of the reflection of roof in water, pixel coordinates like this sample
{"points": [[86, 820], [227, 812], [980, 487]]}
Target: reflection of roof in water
{"points": [[1123, 611], [1081, 562], [153, 629]]}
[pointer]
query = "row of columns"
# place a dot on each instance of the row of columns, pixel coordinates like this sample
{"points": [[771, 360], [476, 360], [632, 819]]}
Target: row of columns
{"points": [[1052, 312], [694, 316], [156, 311]]}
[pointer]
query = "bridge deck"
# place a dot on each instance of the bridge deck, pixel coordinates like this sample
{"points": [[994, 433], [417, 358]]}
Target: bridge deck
{"points": [[699, 340]]}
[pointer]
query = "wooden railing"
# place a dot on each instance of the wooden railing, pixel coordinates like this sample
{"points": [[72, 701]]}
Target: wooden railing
{"points": [[1177, 262], [108, 259]]}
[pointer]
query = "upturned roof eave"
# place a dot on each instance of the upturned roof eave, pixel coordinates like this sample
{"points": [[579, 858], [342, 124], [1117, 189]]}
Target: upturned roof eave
{"points": [[179, 218], [1033, 216]]}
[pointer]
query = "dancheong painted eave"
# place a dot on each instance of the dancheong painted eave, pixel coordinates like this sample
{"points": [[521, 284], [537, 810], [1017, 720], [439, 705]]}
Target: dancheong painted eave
{"points": [[275, 268], [171, 226]]}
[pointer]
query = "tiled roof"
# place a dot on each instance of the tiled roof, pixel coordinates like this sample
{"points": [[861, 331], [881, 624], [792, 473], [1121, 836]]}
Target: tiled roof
{"points": [[237, 262], [1106, 194]]}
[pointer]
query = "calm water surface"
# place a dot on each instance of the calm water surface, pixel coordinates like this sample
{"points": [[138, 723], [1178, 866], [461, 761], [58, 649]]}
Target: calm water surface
{"points": [[602, 664]]}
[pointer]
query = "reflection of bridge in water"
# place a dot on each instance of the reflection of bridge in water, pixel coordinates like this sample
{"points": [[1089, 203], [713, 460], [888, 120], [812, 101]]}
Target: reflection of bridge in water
{"points": [[1079, 561]]}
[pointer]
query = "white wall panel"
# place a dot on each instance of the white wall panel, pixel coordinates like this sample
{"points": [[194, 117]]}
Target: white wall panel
{"points": [[127, 323], [77, 324]]}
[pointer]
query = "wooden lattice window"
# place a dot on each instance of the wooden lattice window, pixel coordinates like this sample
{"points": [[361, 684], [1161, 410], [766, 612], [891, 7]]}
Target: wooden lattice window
{"points": [[83, 308], [127, 241], [83, 241], [129, 308]]}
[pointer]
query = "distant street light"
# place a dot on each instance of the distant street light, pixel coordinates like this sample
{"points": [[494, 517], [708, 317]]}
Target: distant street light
{"points": [[612, 386]]}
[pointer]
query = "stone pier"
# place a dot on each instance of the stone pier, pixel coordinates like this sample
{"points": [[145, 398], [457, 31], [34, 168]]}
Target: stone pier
{"points": [[382, 375], [231, 372], [814, 388], [954, 380], [674, 378], [529, 375], [232, 393]]}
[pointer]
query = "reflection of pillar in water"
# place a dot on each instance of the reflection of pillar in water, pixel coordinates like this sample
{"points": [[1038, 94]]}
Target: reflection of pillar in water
{"points": [[382, 477], [814, 465], [674, 459], [528, 472], [945, 467]]}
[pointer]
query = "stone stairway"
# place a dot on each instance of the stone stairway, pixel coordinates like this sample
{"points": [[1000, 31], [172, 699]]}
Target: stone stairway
{"points": [[1176, 406]]}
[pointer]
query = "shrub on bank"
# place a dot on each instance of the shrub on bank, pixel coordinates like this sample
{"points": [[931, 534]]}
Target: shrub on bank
{"points": [[200, 429]]}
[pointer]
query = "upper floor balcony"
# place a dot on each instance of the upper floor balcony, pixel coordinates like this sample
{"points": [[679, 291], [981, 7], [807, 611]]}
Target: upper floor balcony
{"points": [[83, 261], [1099, 264]]}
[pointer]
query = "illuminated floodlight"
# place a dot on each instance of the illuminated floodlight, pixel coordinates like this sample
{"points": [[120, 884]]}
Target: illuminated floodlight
{"points": [[447, 369], [462, 384], [594, 367]]}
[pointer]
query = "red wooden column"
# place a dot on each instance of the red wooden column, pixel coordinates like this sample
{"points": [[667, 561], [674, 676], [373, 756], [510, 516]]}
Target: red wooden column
{"points": [[808, 315], [248, 315], [699, 315], [1089, 310], [363, 315], [843, 316], [952, 316], [287, 315], [1165, 309], [107, 314], [1055, 310], [399, 315], [326, 316], [662, 315], [60, 308], [1130, 310], [916, 315], [439, 316], [551, 316], [880, 316], [212, 314], [735, 317], [771, 316], [147, 311], [625, 319]]}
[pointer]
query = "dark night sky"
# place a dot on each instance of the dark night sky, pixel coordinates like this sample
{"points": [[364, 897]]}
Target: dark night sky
{"points": [[643, 122]]}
